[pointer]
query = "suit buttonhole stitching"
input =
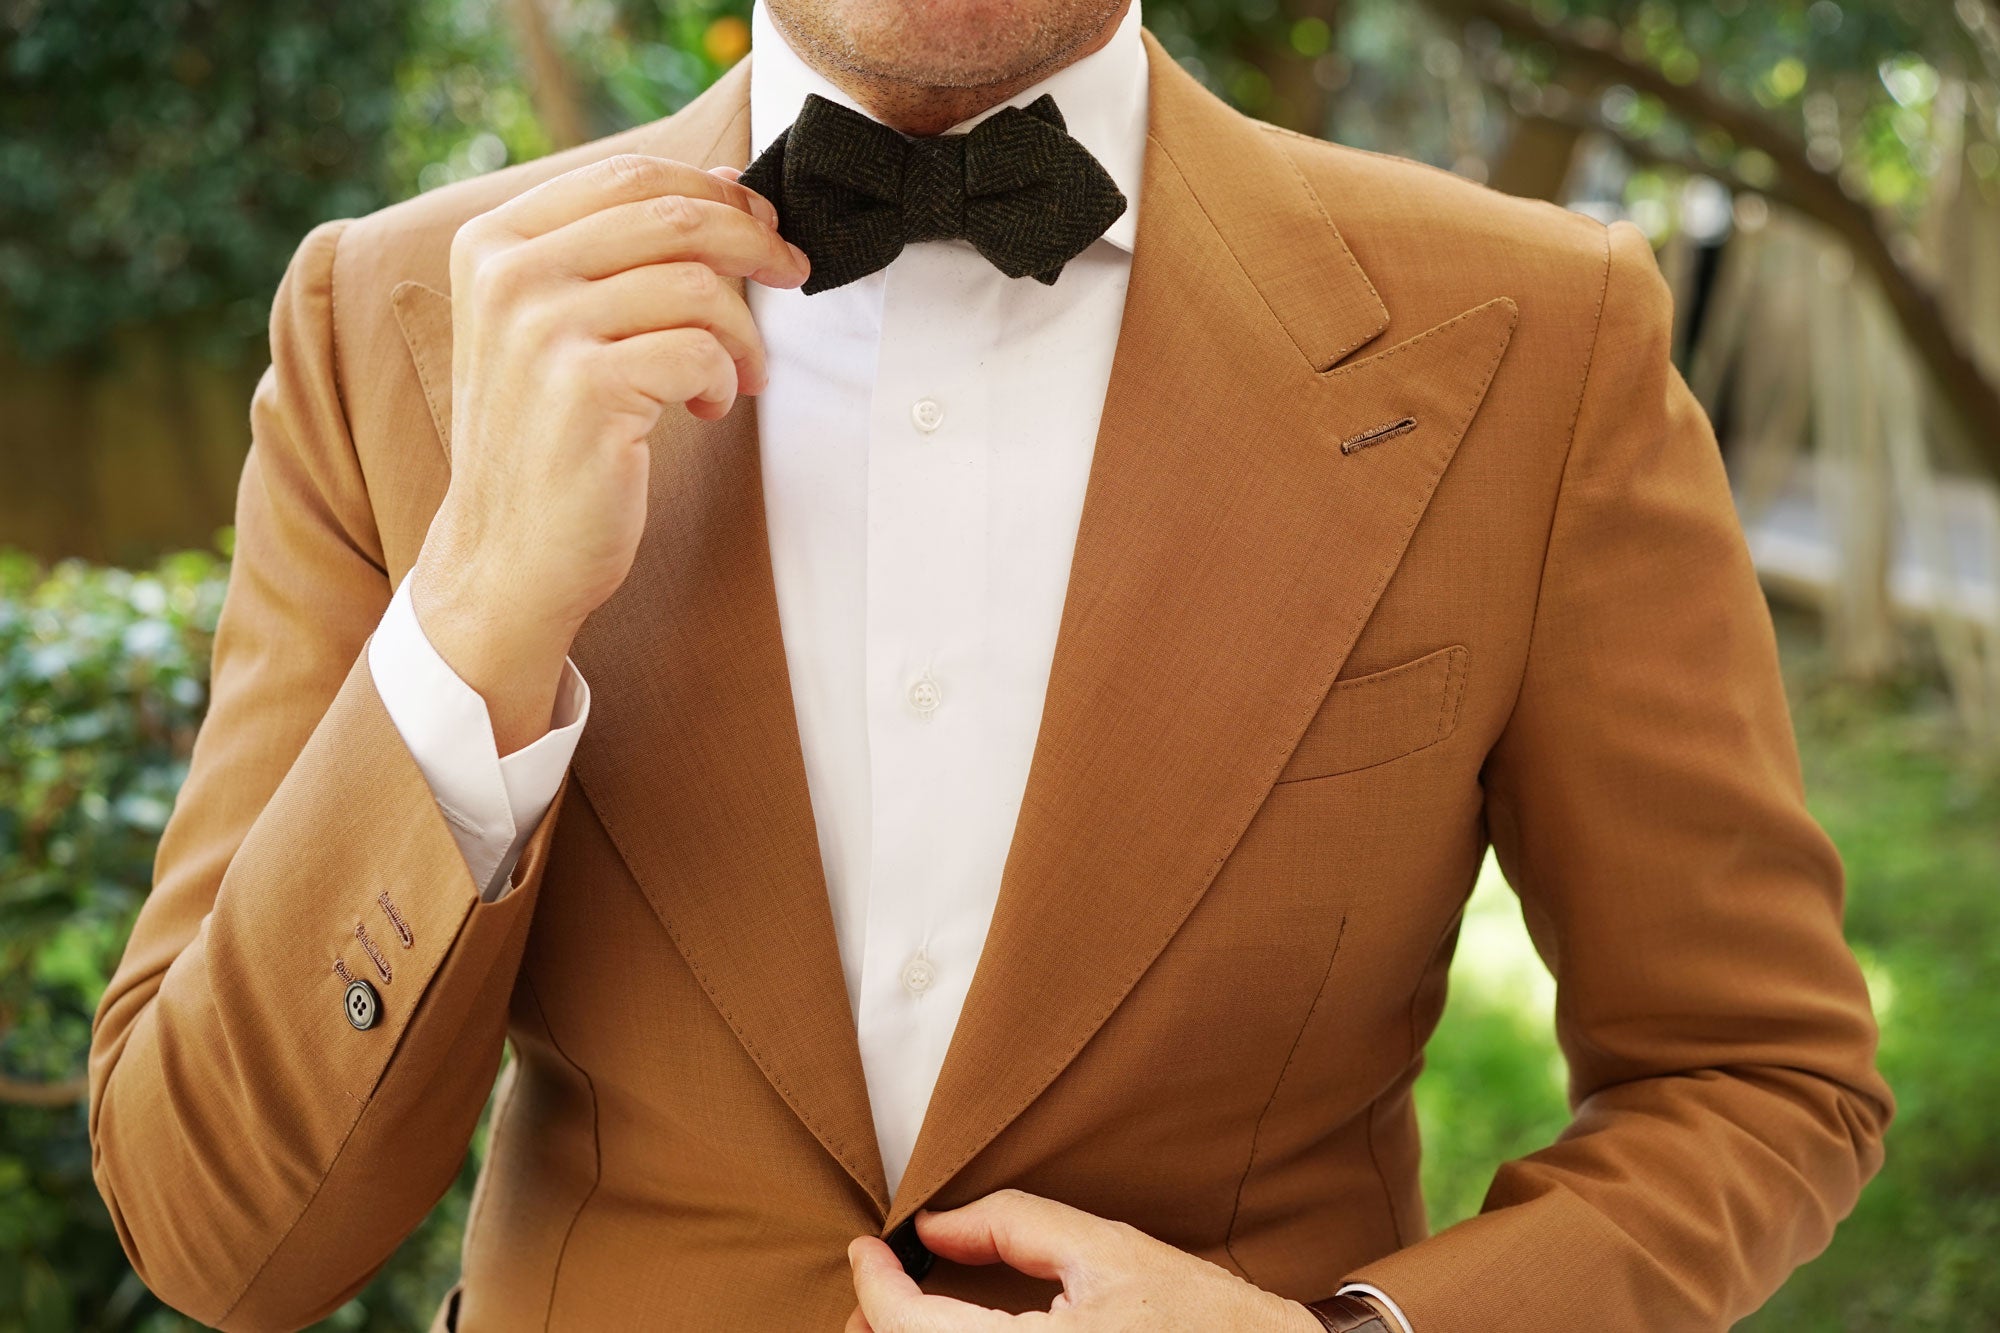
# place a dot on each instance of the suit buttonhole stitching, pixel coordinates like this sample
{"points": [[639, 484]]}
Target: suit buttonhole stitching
{"points": [[388, 907], [1377, 434], [374, 953]]}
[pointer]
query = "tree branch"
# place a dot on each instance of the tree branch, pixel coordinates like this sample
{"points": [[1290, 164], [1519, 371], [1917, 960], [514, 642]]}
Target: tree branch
{"points": [[1648, 153], [1970, 391], [20, 1092]]}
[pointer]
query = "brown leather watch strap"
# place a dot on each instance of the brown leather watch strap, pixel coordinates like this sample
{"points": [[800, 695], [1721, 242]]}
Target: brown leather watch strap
{"points": [[1349, 1314]]}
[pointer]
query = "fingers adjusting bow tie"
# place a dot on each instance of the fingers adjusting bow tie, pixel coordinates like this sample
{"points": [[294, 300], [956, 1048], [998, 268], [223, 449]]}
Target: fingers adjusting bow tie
{"points": [[852, 192]]}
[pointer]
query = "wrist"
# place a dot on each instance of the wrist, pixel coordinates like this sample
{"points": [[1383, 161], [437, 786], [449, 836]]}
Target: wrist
{"points": [[509, 653], [1302, 1317]]}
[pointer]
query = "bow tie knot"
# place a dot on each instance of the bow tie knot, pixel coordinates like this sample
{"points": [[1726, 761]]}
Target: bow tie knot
{"points": [[851, 191], [932, 199]]}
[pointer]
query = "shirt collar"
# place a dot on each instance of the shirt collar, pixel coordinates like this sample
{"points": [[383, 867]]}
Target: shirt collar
{"points": [[1102, 98]]}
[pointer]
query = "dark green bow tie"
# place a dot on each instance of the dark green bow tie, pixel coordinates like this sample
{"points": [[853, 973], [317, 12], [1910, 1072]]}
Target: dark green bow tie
{"points": [[852, 192]]}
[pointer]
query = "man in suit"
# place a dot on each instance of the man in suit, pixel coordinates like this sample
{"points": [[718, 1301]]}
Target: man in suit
{"points": [[986, 829]]}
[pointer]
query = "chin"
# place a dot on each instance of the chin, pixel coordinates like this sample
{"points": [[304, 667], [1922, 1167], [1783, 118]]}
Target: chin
{"points": [[942, 43]]}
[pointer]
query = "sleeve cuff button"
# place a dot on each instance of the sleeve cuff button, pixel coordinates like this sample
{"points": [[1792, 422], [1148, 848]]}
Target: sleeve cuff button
{"points": [[362, 1006]]}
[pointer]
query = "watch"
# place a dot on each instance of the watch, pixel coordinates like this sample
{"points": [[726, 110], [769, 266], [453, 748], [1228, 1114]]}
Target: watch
{"points": [[1349, 1314]]}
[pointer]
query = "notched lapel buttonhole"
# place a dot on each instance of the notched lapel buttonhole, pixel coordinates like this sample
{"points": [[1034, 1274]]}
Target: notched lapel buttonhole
{"points": [[1378, 434], [388, 907]]}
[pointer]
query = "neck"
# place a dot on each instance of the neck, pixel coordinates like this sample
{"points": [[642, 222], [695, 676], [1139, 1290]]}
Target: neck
{"points": [[923, 109]]}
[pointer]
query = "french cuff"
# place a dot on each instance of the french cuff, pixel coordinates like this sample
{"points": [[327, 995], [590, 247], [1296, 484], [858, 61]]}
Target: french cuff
{"points": [[492, 805], [1380, 1297]]}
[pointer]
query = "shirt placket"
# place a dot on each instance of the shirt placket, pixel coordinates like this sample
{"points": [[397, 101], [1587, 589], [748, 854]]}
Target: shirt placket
{"points": [[927, 610]]}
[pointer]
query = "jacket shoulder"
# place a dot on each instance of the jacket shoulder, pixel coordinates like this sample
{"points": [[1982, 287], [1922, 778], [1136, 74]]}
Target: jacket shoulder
{"points": [[411, 240], [1437, 243]]}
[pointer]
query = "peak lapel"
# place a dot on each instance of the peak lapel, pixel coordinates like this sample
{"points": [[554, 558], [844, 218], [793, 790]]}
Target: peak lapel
{"points": [[692, 759], [1229, 551]]}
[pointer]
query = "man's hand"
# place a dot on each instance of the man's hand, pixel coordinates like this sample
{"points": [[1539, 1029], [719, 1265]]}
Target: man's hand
{"points": [[581, 310], [1113, 1276]]}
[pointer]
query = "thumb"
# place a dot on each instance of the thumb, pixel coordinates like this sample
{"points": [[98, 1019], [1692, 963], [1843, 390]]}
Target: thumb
{"points": [[1036, 1236]]}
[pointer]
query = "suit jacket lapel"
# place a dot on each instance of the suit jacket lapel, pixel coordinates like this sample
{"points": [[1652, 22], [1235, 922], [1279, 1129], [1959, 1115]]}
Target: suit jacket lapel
{"points": [[692, 759], [1228, 554]]}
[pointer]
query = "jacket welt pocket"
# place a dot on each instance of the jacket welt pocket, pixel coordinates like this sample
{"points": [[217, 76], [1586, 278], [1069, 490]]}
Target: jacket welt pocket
{"points": [[1371, 719]]}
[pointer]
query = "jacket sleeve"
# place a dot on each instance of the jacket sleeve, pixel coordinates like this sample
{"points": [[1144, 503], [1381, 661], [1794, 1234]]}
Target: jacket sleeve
{"points": [[1645, 801], [260, 1155]]}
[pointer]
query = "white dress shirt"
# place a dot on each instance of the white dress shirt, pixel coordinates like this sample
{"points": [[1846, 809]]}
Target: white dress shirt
{"points": [[925, 442]]}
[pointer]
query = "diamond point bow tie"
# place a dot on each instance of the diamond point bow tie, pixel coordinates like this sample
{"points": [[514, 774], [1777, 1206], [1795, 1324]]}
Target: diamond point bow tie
{"points": [[852, 192]]}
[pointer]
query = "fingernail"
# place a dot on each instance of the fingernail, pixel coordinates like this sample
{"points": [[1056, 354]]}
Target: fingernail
{"points": [[764, 210], [799, 255]]}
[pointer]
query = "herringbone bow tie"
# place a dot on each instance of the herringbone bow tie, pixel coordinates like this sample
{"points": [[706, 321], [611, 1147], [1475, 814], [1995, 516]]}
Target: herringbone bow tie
{"points": [[852, 192]]}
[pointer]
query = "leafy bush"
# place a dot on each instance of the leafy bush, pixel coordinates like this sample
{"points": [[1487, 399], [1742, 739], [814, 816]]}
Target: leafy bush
{"points": [[103, 680], [163, 157], [159, 159]]}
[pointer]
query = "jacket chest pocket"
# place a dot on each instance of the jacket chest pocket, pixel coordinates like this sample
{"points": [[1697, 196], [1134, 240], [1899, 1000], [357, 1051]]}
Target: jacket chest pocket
{"points": [[1371, 719]]}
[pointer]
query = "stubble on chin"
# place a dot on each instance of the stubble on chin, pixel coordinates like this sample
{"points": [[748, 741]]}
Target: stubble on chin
{"points": [[939, 60]]}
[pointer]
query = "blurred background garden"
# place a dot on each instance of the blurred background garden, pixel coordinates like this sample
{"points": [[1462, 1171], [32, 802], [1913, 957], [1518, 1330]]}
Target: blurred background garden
{"points": [[1822, 181]]}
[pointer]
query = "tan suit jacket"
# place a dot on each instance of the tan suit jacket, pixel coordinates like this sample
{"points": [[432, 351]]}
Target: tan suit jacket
{"points": [[1309, 664]]}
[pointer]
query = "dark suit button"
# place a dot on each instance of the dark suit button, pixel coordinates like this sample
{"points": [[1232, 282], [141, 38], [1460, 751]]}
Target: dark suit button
{"points": [[916, 1256], [363, 1008]]}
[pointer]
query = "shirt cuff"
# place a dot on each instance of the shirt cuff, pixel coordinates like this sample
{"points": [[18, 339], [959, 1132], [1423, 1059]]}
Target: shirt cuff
{"points": [[492, 805], [1381, 1298]]}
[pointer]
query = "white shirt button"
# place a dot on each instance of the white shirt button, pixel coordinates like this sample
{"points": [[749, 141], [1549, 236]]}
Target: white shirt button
{"points": [[925, 696], [918, 975], [927, 415]]}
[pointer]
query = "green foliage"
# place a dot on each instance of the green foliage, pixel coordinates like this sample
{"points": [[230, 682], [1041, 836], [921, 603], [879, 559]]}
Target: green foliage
{"points": [[1855, 82], [103, 680], [1493, 1081], [647, 58], [465, 105], [161, 158], [101, 685], [1224, 41], [1918, 824], [462, 106], [1876, 92]]}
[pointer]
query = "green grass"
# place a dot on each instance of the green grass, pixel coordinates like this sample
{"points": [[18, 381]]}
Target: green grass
{"points": [[1917, 821]]}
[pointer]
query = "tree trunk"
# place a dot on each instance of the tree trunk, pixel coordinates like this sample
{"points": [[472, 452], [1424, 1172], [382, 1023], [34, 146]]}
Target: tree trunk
{"points": [[1536, 161], [556, 100]]}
